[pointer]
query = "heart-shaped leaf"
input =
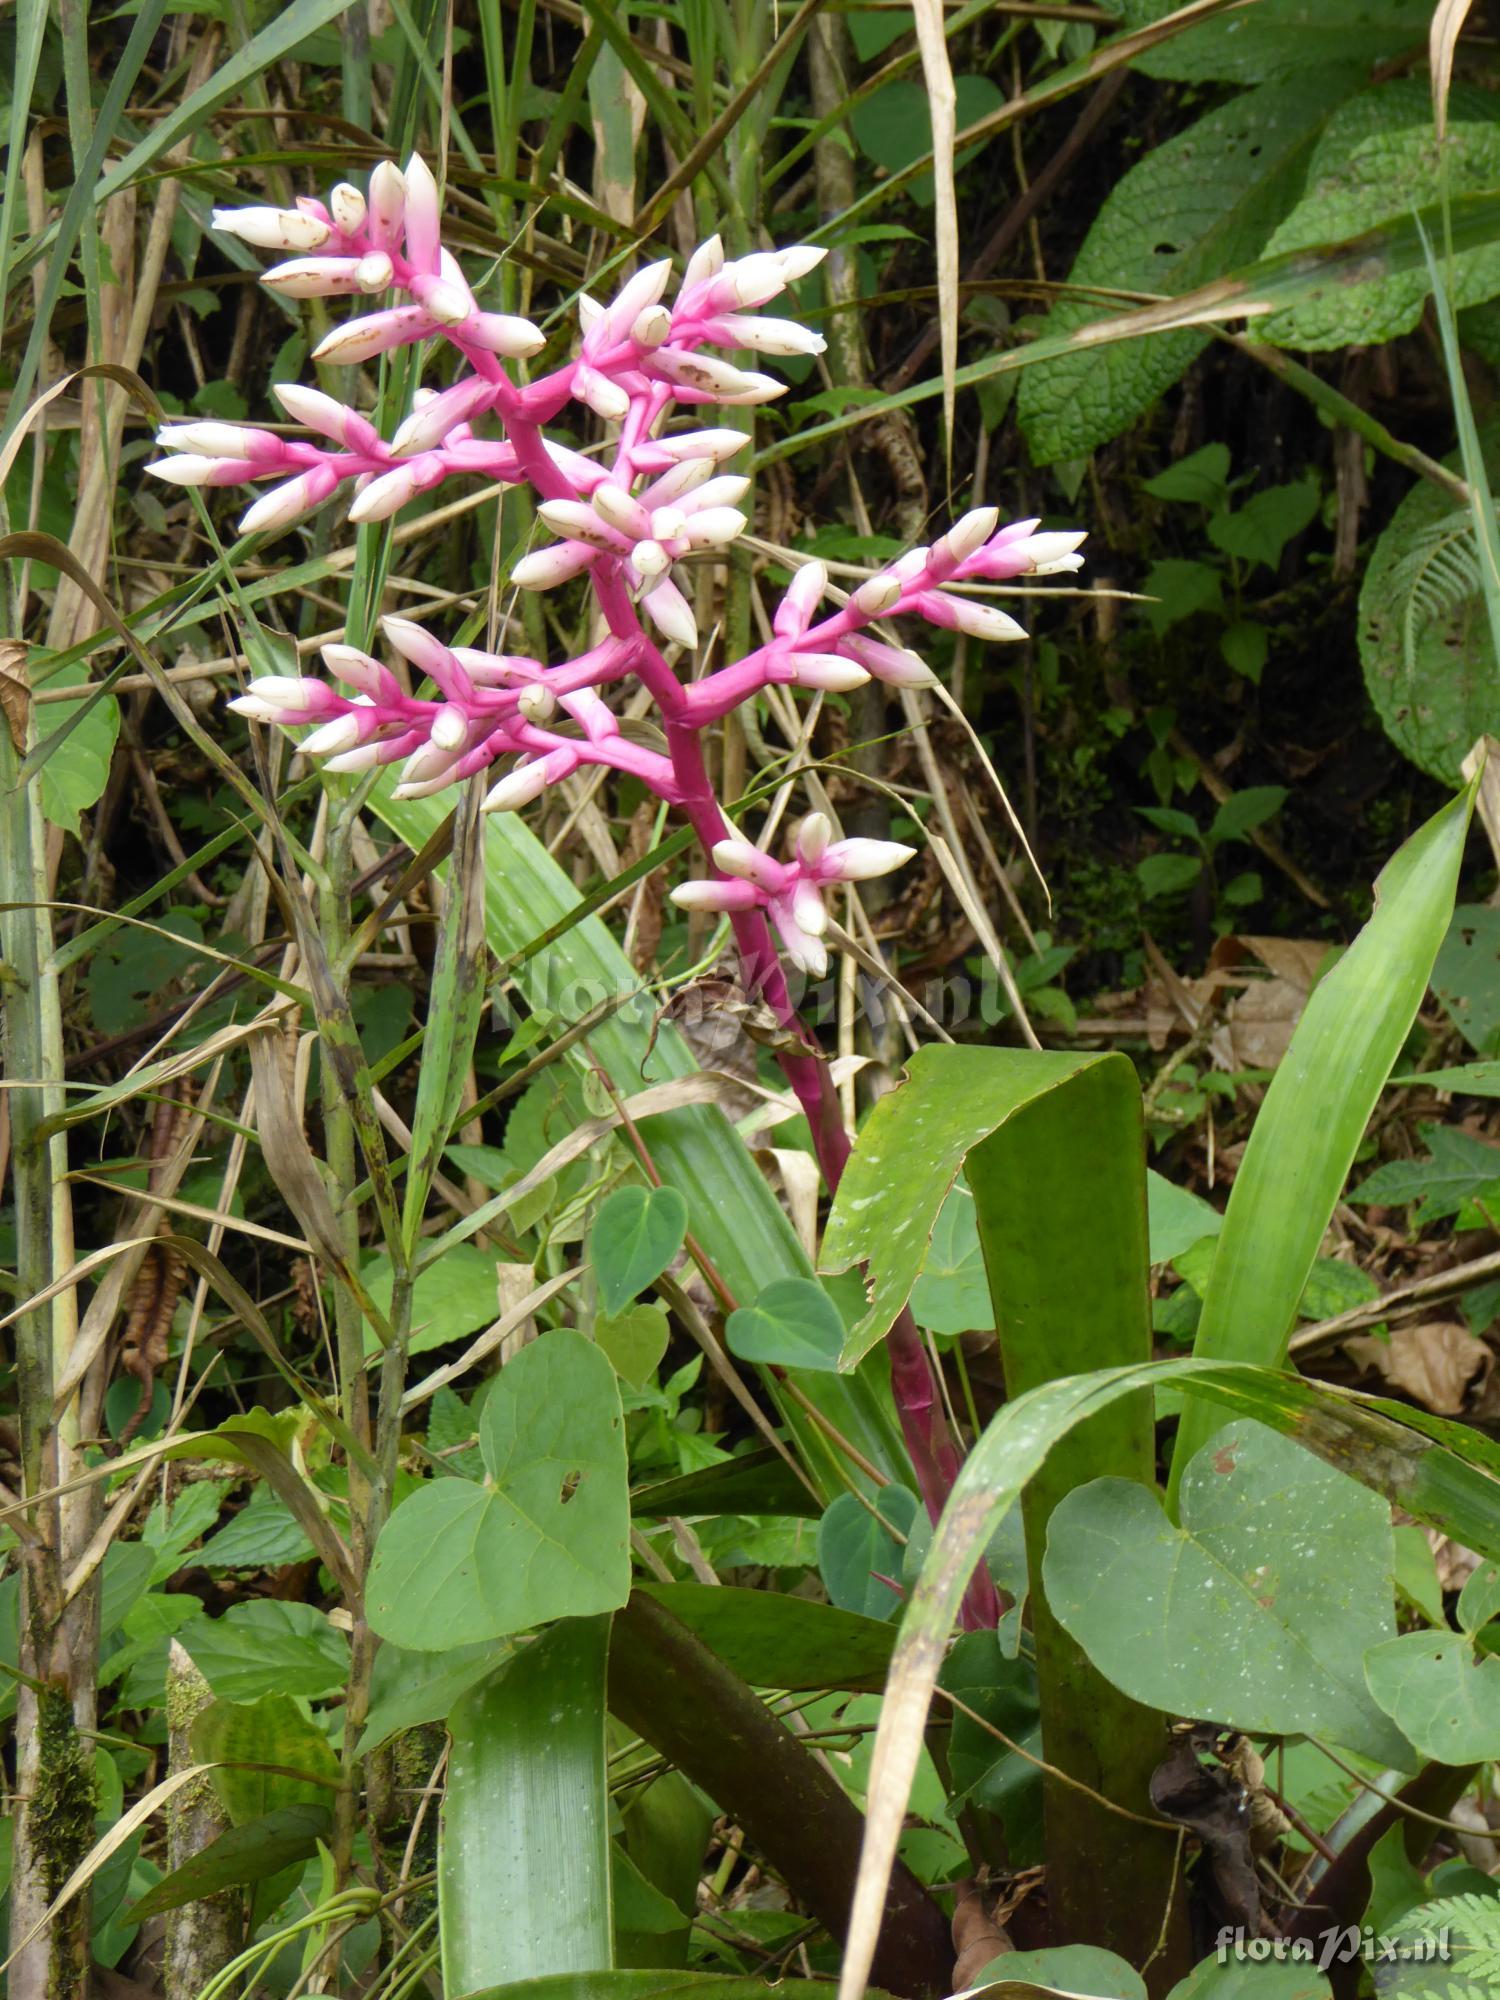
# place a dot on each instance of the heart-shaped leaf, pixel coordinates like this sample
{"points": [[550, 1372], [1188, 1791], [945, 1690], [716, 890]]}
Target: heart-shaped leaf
{"points": [[634, 1341], [860, 1559], [792, 1324], [545, 1535], [1439, 1694], [1246, 1614], [636, 1234]]}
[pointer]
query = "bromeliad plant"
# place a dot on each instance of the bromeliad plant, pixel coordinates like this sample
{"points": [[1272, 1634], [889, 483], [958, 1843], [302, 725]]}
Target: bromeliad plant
{"points": [[632, 521]]}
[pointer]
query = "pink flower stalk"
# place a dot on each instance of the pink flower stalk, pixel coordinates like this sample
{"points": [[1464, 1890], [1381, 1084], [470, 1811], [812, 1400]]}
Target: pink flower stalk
{"points": [[628, 520], [791, 892]]}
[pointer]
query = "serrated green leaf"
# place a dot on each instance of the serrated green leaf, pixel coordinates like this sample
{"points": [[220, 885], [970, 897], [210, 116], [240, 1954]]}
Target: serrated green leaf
{"points": [[1363, 178], [547, 1533], [239, 1736], [636, 1234], [1279, 38], [1197, 205], [267, 1647]]}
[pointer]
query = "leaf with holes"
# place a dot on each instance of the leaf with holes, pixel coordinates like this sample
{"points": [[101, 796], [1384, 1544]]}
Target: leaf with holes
{"points": [[1256, 1612], [1440, 1694], [545, 1535], [636, 1234]]}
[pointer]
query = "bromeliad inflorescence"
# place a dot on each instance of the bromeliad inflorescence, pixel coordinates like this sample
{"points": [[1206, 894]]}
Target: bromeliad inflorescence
{"points": [[629, 521], [626, 520]]}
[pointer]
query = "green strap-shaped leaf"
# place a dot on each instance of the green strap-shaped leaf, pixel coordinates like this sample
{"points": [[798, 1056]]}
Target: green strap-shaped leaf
{"points": [[523, 1850], [909, 1154], [1316, 1109]]}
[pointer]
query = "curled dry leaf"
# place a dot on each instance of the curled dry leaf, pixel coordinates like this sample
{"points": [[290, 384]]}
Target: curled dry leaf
{"points": [[1438, 1363]]}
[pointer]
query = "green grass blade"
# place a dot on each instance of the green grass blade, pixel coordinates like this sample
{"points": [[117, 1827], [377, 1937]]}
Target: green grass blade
{"points": [[523, 1851], [1316, 1110]]}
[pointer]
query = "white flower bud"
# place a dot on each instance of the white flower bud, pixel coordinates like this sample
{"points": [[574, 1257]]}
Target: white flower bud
{"points": [[711, 444], [281, 506], [362, 339], [875, 598], [186, 468], [1053, 552], [620, 510], [363, 757], [374, 271], [537, 703], [604, 397], [813, 837], [862, 860], [347, 207], [769, 336], [983, 621], [504, 333], [653, 327], [671, 613], [287, 694], [314, 277], [749, 863], [715, 527], [970, 532], [355, 669], [447, 304], [809, 912], [706, 262], [518, 788], [387, 202], [343, 733], [800, 258], [450, 728], [386, 494], [273, 228], [650, 559], [828, 673], [544, 568]]}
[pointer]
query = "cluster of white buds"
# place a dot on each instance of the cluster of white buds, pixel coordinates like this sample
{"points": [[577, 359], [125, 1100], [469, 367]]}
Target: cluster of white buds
{"points": [[791, 892]]}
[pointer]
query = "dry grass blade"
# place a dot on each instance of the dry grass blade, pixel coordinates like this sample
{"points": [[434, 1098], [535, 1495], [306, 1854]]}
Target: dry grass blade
{"points": [[486, 1342], [1442, 41], [941, 96], [285, 1147]]}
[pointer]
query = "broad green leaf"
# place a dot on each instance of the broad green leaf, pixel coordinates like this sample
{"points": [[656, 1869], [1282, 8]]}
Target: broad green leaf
{"points": [[1195, 206], [453, 1296], [1001, 1692], [893, 127], [1237, 1615], [1457, 1166], [1278, 38], [1441, 1473], [546, 1535], [781, 1642], [523, 1853], [267, 1646], [907, 1159], [273, 1730], [1466, 978], [634, 1341], [1245, 1979], [1317, 1106], [1168, 874], [1201, 477], [262, 1535], [1356, 186], [77, 768], [636, 1234], [409, 1688], [1440, 1694], [757, 1482], [1479, 1600], [1258, 531], [1245, 811], [246, 1853], [952, 1295], [1176, 1218], [792, 1324], [1066, 1968], [863, 1546]]}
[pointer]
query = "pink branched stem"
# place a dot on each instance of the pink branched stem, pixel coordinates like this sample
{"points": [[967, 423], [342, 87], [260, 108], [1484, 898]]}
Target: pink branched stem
{"points": [[660, 497]]}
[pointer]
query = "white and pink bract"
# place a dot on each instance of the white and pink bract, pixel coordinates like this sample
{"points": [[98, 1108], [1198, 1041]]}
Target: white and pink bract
{"points": [[657, 497]]}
